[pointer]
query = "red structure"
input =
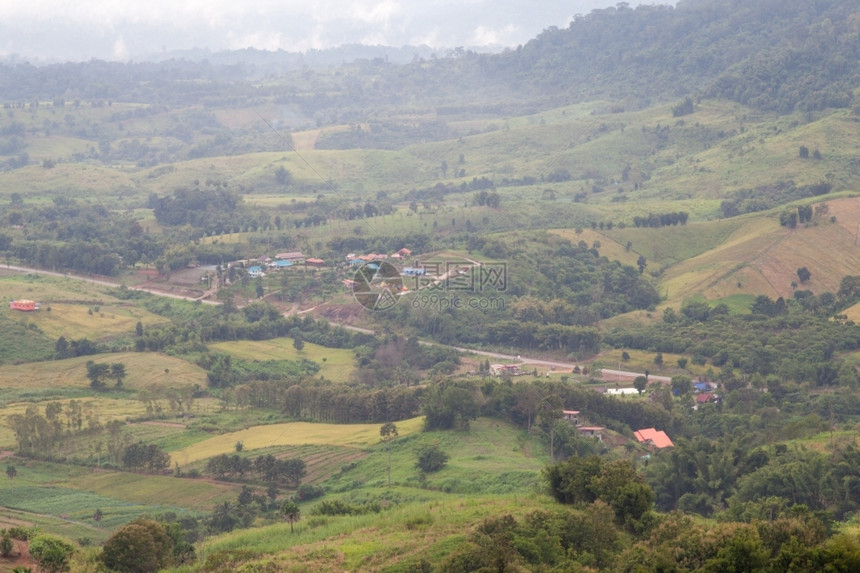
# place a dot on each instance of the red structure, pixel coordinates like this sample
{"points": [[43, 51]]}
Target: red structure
{"points": [[25, 305]]}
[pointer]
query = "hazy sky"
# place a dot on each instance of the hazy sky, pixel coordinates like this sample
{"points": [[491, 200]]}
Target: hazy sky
{"points": [[125, 29]]}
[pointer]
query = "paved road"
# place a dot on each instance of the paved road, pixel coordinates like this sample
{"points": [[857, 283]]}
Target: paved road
{"points": [[608, 374]]}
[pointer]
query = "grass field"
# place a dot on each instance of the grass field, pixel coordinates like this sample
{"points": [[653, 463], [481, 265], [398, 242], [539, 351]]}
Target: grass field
{"points": [[294, 433], [142, 369], [336, 364], [395, 540], [493, 457], [71, 308]]}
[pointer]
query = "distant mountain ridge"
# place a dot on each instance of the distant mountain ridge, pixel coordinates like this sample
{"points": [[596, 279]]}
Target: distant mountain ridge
{"points": [[775, 55]]}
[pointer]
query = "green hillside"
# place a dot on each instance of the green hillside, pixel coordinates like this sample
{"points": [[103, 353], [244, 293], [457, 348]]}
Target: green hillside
{"points": [[476, 254]]}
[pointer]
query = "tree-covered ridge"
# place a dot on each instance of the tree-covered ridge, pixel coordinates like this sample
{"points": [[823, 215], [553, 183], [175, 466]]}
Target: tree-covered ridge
{"points": [[780, 56], [776, 55], [555, 293], [792, 340]]}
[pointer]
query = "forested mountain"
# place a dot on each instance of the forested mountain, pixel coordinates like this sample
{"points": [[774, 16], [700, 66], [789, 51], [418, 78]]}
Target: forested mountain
{"points": [[781, 55]]}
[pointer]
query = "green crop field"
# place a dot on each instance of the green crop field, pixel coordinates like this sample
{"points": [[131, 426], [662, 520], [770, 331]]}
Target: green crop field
{"points": [[165, 492]]}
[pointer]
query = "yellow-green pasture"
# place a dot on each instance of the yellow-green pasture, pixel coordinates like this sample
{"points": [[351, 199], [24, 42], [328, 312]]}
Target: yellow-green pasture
{"points": [[142, 369], [294, 433], [71, 319], [43, 287], [83, 321], [337, 363]]}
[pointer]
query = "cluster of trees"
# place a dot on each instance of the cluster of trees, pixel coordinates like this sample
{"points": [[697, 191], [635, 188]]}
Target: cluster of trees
{"points": [[211, 209], [147, 457], [740, 477], [97, 373], [336, 403], [490, 199], [68, 234], [561, 288], [767, 197], [38, 433], [179, 399], [803, 214], [269, 469], [661, 219], [793, 339]]}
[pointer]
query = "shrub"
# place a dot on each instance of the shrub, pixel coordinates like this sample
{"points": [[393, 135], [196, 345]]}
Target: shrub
{"points": [[307, 491], [431, 458]]}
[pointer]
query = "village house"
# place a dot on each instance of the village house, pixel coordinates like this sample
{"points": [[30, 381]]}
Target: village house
{"points": [[295, 257], [595, 432], [571, 416], [654, 439], [705, 397]]}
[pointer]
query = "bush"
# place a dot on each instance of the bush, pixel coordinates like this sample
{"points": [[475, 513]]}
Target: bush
{"points": [[431, 458], [307, 491], [52, 554], [340, 507], [6, 545]]}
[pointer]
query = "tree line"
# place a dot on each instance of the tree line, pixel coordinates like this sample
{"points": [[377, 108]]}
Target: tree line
{"points": [[268, 469]]}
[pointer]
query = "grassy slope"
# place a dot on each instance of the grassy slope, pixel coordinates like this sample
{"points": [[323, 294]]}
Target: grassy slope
{"points": [[293, 433], [338, 364], [492, 458]]}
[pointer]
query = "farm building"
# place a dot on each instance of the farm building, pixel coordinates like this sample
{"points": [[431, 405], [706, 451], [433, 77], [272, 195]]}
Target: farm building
{"points": [[315, 262], [25, 305], [282, 264], [414, 271], [255, 272]]}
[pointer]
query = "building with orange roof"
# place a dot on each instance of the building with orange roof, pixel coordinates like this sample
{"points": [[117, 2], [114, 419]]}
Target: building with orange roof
{"points": [[651, 437]]}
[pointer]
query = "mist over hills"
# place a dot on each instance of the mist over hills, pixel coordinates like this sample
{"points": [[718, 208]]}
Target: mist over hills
{"points": [[784, 56]]}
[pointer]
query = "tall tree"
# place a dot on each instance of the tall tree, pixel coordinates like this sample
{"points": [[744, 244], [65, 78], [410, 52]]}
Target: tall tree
{"points": [[388, 431], [11, 472], [291, 513]]}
